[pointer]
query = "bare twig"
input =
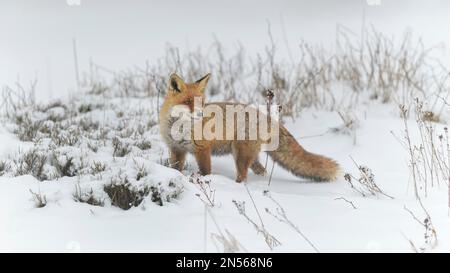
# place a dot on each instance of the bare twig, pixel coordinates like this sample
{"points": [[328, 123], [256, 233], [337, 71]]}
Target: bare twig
{"points": [[349, 202], [282, 217]]}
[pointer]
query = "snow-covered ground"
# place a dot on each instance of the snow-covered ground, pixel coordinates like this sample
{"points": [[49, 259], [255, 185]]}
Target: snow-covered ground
{"points": [[321, 211]]}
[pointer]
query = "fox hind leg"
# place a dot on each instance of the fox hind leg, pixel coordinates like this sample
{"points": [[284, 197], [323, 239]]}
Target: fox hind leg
{"points": [[258, 168], [244, 155]]}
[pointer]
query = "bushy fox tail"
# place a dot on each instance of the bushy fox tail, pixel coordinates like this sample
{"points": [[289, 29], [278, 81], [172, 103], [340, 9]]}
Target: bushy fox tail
{"points": [[291, 156]]}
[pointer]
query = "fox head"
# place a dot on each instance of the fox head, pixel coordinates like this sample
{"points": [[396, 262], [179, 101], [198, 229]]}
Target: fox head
{"points": [[183, 94]]}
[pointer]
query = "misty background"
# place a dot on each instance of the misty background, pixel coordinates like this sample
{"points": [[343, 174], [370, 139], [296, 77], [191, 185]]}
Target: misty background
{"points": [[36, 40]]}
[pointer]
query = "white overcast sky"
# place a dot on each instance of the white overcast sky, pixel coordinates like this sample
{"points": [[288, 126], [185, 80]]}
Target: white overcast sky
{"points": [[36, 35]]}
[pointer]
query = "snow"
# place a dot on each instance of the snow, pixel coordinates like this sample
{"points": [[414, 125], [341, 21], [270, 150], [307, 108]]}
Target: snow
{"points": [[377, 224]]}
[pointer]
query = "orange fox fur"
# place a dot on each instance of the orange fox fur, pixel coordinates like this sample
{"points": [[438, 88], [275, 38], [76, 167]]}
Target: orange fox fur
{"points": [[290, 155]]}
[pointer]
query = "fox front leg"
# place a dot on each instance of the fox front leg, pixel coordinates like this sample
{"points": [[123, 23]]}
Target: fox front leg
{"points": [[177, 159], [203, 158]]}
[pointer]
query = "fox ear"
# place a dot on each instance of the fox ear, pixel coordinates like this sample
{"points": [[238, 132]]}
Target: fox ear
{"points": [[176, 83], [201, 83]]}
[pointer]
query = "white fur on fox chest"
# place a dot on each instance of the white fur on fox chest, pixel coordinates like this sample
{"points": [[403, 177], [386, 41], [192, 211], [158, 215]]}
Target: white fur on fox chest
{"points": [[174, 138]]}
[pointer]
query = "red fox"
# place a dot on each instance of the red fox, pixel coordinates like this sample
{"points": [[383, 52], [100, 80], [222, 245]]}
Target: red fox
{"points": [[289, 154]]}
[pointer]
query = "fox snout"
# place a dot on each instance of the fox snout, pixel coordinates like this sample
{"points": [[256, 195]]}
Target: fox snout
{"points": [[186, 113]]}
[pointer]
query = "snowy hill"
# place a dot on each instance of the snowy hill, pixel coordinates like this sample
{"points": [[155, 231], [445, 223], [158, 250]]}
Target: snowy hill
{"points": [[111, 140]]}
